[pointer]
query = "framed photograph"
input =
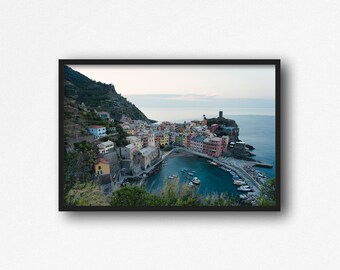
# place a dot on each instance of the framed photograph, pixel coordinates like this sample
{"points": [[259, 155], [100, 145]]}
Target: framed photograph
{"points": [[169, 135]]}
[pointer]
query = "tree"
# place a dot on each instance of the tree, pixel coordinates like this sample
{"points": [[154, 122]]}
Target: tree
{"points": [[79, 165], [133, 196], [267, 193]]}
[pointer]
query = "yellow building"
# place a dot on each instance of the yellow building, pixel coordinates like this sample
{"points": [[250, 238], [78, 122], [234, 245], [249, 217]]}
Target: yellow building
{"points": [[130, 131], [102, 166], [164, 140]]}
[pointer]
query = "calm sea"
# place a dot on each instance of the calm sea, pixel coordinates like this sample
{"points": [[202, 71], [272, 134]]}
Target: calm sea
{"points": [[213, 179]]}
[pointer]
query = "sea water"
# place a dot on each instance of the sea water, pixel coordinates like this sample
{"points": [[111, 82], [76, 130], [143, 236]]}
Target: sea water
{"points": [[213, 179]]}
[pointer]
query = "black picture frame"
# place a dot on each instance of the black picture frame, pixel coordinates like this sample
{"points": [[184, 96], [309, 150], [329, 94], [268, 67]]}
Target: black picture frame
{"points": [[259, 62]]}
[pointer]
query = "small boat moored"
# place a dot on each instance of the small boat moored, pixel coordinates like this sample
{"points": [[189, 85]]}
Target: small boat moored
{"points": [[244, 188], [239, 182], [243, 196], [196, 181]]}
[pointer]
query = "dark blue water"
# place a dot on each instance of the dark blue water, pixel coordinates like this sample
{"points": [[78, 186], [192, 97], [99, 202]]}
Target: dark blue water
{"points": [[213, 179], [259, 131]]}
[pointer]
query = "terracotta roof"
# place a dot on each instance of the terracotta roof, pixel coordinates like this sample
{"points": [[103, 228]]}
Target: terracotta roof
{"points": [[96, 126], [103, 160]]}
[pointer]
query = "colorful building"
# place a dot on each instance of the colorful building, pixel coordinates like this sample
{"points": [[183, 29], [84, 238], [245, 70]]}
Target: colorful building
{"points": [[104, 115], [135, 140], [225, 141], [148, 139], [232, 131], [130, 131], [105, 147], [181, 140], [158, 136], [213, 128], [172, 137], [97, 131], [102, 166], [161, 139], [212, 146], [196, 143], [165, 140]]}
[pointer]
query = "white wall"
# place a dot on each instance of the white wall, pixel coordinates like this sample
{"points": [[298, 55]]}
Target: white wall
{"points": [[35, 34]]}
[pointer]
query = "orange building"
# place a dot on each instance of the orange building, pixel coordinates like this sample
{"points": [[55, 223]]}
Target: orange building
{"points": [[102, 166]]}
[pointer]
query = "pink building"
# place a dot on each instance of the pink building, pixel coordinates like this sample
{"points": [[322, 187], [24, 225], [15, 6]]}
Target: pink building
{"points": [[212, 146], [189, 137], [196, 143], [213, 128], [225, 141]]}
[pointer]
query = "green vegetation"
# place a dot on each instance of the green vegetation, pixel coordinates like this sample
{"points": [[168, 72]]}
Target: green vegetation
{"points": [[78, 165], [120, 139], [267, 194], [173, 194], [133, 196], [86, 194]]}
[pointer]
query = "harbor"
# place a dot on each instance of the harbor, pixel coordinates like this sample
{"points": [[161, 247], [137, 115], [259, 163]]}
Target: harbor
{"points": [[237, 178], [208, 175]]}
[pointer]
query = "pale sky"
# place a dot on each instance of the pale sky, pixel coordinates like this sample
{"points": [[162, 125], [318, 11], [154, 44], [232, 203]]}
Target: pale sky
{"points": [[189, 82]]}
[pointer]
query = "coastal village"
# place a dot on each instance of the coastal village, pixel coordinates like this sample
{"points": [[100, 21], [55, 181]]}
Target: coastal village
{"points": [[147, 146]]}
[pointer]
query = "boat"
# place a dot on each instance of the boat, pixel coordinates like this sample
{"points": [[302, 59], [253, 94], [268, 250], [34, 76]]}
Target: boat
{"points": [[239, 183], [243, 196], [191, 184], [189, 173], [244, 188], [228, 170], [170, 177], [213, 163], [174, 175], [196, 181]]}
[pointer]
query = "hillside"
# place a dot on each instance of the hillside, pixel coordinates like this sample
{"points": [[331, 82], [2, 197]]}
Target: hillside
{"points": [[99, 96]]}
